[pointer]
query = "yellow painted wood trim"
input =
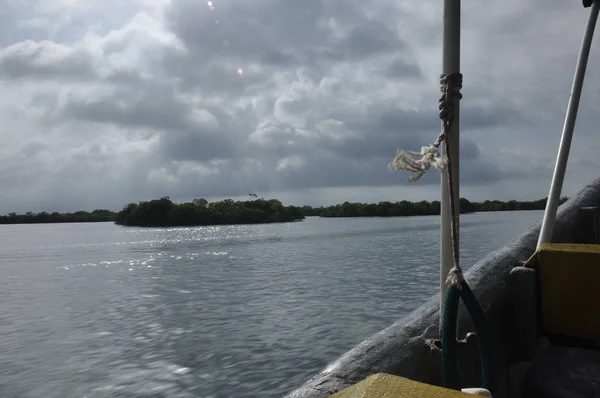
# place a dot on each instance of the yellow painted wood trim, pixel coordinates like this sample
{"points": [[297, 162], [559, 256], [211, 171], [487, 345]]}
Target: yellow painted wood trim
{"points": [[383, 385], [570, 247], [569, 276]]}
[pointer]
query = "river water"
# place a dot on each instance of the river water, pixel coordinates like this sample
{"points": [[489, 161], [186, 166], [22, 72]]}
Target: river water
{"points": [[98, 310]]}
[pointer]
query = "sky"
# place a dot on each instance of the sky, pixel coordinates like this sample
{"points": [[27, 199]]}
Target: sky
{"points": [[106, 102]]}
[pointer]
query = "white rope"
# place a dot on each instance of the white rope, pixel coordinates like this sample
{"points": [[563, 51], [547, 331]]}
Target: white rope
{"points": [[450, 85], [429, 157]]}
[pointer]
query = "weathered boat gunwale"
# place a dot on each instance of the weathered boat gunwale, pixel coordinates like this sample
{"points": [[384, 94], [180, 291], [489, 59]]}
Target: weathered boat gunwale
{"points": [[401, 348]]}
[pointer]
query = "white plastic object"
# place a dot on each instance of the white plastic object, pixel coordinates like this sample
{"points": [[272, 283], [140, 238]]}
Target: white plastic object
{"points": [[482, 392]]}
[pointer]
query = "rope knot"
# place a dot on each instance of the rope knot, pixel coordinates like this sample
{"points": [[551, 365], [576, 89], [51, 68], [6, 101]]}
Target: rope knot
{"points": [[455, 277], [450, 85]]}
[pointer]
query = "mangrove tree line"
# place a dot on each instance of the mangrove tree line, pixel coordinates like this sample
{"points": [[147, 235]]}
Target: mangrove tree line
{"points": [[163, 212], [422, 208]]}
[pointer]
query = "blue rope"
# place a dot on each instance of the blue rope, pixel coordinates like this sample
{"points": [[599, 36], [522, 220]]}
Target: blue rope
{"points": [[448, 337]]}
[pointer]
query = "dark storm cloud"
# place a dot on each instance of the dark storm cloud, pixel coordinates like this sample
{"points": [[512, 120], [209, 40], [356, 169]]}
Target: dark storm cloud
{"points": [[326, 169], [401, 69], [251, 30], [185, 133], [187, 100], [197, 145], [130, 108], [44, 60], [315, 34]]}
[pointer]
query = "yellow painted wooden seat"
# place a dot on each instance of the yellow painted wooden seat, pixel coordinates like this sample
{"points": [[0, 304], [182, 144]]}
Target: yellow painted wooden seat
{"points": [[568, 278], [569, 288], [383, 385]]}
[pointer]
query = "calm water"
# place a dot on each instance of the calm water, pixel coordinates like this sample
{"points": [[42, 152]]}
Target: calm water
{"points": [[97, 310]]}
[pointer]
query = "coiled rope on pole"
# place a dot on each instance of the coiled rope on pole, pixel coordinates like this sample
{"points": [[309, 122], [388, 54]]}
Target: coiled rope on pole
{"points": [[429, 157], [450, 86]]}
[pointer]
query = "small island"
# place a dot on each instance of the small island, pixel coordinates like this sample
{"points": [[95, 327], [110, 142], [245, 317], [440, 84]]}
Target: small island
{"points": [[164, 213]]}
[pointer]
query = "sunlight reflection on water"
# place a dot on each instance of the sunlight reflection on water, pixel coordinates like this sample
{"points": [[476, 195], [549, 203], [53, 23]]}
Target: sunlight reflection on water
{"points": [[98, 310]]}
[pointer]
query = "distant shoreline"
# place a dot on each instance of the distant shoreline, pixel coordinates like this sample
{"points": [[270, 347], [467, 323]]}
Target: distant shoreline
{"points": [[100, 215], [422, 208], [165, 213]]}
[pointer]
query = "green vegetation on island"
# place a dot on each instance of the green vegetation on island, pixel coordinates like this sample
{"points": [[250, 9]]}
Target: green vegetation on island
{"points": [[100, 215], [164, 213], [423, 208]]}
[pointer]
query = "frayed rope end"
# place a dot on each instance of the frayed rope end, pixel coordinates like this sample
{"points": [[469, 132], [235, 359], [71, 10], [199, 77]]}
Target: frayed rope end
{"points": [[418, 162]]}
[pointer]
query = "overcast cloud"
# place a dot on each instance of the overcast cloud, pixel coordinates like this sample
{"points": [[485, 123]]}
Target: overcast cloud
{"points": [[114, 101]]}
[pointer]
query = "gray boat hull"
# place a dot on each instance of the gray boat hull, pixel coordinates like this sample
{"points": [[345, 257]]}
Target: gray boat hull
{"points": [[402, 349]]}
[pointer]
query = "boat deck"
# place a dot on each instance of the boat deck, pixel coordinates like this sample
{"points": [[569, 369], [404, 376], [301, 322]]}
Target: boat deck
{"points": [[566, 333], [564, 372]]}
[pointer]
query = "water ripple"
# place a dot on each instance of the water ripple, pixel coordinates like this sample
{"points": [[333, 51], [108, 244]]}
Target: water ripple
{"points": [[97, 310]]}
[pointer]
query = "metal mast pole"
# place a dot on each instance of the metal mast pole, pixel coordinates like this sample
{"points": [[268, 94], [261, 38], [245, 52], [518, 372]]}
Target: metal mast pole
{"points": [[451, 64], [567, 133]]}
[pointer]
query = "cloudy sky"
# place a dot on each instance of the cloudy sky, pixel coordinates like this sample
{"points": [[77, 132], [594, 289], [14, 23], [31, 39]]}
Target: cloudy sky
{"points": [[105, 102]]}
